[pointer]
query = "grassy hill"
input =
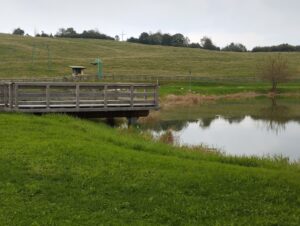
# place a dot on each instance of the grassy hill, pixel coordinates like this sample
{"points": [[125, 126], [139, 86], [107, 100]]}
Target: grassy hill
{"points": [[123, 59], [57, 170]]}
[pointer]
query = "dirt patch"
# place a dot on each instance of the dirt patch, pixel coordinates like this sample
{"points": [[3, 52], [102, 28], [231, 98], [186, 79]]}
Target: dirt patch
{"points": [[196, 99]]}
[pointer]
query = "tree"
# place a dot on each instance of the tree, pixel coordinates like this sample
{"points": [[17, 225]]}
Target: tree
{"points": [[178, 40], [166, 40], [133, 40], [155, 39], [278, 48], [144, 38], [275, 69], [186, 41], [206, 43], [18, 31], [235, 47], [67, 33], [194, 45]]}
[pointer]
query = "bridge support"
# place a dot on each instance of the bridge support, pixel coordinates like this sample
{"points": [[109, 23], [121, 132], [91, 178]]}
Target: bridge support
{"points": [[132, 120]]}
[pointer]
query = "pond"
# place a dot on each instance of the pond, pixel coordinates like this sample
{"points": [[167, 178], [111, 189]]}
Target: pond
{"points": [[250, 127]]}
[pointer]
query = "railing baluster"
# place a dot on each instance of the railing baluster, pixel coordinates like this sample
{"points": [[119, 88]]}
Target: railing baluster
{"points": [[131, 95], [16, 96], [155, 95], [48, 96], [105, 96], [10, 95], [77, 96], [6, 95]]}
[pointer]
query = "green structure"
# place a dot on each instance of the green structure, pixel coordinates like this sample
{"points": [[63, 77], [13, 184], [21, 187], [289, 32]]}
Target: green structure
{"points": [[99, 65]]}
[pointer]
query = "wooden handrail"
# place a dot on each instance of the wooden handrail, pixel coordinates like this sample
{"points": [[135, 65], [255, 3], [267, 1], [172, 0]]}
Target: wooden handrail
{"points": [[60, 96]]}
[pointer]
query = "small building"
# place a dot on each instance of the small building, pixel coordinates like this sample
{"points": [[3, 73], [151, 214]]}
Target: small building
{"points": [[77, 70]]}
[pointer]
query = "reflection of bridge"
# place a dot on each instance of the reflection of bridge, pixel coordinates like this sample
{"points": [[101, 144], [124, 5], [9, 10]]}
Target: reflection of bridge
{"points": [[86, 99]]}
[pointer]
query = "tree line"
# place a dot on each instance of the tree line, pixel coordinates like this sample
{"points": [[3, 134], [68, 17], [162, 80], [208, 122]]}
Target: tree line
{"points": [[69, 33], [278, 48], [179, 40], [164, 39]]}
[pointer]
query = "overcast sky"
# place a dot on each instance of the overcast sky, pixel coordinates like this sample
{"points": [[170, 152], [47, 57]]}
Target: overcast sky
{"points": [[251, 22]]}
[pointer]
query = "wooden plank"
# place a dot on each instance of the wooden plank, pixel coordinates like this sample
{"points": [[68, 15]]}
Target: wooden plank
{"points": [[99, 109], [82, 84]]}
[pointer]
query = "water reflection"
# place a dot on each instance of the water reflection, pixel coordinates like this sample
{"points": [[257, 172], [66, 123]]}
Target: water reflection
{"points": [[275, 116], [269, 130]]}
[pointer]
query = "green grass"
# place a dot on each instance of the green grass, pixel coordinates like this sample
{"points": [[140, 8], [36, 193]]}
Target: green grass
{"points": [[215, 88], [220, 72], [57, 170], [125, 59]]}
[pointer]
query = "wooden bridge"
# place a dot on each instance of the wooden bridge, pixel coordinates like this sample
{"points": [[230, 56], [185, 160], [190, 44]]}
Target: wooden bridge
{"points": [[83, 99]]}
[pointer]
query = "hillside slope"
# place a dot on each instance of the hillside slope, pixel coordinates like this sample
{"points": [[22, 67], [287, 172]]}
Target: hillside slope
{"points": [[121, 58], [57, 170]]}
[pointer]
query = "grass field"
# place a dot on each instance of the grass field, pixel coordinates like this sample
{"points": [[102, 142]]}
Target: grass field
{"points": [[57, 170], [121, 58]]}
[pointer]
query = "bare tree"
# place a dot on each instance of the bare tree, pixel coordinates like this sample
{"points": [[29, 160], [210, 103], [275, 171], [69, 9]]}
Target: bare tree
{"points": [[276, 70]]}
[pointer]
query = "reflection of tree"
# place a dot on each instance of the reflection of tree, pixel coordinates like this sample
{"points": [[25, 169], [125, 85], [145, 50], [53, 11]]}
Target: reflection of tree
{"points": [[205, 122], [175, 125], [275, 116], [236, 119]]}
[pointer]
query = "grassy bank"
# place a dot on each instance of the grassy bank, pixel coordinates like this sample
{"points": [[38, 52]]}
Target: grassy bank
{"points": [[57, 170], [29, 57], [215, 88]]}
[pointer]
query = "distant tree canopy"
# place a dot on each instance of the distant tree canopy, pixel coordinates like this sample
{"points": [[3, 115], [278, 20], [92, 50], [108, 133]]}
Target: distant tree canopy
{"points": [[165, 39], [235, 47], [89, 34], [278, 48], [206, 43], [159, 38], [44, 35], [18, 31]]}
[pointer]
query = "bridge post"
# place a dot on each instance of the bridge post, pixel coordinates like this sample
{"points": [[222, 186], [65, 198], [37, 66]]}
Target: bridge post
{"points": [[132, 120]]}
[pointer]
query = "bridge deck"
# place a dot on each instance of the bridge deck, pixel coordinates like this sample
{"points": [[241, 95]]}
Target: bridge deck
{"points": [[44, 97]]}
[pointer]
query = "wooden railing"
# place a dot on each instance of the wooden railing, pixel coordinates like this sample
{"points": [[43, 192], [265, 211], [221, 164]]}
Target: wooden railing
{"points": [[76, 97]]}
